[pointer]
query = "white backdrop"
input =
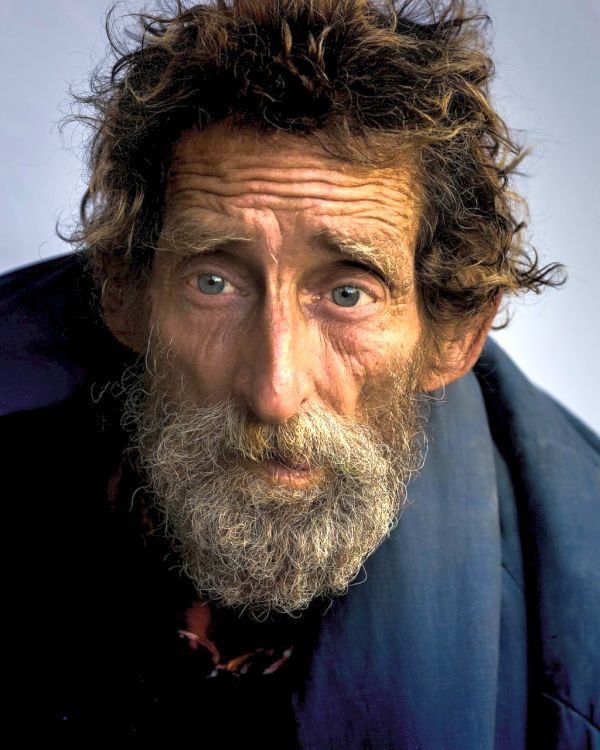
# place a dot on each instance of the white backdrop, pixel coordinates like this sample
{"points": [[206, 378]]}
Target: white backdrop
{"points": [[547, 62]]}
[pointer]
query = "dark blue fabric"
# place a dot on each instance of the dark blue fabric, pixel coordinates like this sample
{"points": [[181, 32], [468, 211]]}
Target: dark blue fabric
{"points": [[554, 460], [422, 632], [476, 624], [51, 338]]}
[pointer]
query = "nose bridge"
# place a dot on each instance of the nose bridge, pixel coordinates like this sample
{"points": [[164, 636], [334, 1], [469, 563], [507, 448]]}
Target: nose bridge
{"points": [[278, 378]]}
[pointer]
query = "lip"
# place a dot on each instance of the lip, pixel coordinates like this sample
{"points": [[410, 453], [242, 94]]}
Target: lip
{"points": [[296, 476]]}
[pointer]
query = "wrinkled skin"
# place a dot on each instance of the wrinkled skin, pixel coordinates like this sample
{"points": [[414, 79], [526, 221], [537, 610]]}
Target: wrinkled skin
{"points": [[278, 423], [274, 338]]}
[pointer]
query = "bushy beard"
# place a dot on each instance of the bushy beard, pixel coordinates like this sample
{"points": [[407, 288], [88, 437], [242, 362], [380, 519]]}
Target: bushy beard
{"points": [[244, 540]]}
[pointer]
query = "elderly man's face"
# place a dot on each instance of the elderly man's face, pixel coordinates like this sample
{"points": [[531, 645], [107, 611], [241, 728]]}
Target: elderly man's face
{"points": [[279, 423], [259, 298]]}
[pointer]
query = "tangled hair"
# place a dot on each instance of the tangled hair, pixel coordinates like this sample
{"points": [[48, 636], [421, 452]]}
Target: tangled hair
{"points": [[373, 80]]}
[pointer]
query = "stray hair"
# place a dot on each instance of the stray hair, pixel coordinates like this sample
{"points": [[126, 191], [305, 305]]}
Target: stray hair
{"points": [[373, 81]]}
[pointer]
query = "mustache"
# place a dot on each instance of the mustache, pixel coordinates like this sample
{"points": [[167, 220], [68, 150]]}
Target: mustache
{"points": [[248, 542], [225, 432]]}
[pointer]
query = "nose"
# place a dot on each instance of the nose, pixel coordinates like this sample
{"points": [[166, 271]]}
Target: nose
{"points": [[275, 370]]}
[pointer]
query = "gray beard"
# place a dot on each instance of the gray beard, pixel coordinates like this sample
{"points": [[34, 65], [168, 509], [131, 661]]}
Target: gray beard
{"points": [[247, 542]]}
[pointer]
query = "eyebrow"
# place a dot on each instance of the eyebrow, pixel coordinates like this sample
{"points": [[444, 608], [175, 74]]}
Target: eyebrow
{"points": [[192, 237], [377, 255]]}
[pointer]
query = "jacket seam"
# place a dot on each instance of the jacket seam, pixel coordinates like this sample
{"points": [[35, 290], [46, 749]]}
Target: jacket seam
{"points": [[572, 709], [513, 578]]}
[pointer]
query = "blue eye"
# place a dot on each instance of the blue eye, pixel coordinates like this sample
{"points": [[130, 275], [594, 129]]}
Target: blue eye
{"points": [[210, 283], [346, 296]]}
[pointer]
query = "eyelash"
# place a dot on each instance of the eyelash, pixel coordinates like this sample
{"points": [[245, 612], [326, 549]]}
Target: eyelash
{"points": [[357, 285]]}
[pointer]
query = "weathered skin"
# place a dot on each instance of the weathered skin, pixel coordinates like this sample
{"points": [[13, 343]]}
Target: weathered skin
{"points": [[274, 337]]}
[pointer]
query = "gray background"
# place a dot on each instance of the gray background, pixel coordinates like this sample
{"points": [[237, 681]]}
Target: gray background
{"points": [[547, 62]]}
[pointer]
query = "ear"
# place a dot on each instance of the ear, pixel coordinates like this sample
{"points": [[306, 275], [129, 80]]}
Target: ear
{"points": [[125, 319], [460, 356]]}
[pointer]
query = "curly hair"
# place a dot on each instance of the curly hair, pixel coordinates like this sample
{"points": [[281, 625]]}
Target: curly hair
{"points": [[369, 78]]}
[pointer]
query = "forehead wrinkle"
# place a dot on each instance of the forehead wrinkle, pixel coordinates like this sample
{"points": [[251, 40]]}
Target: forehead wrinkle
{"points": [[281, 183], [278, 176], [231, 163], [289, 192]]}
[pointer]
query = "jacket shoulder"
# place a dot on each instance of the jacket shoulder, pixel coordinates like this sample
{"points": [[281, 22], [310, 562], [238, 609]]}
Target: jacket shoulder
{"points": [[554, 462], [523, 413], [51, 335]]}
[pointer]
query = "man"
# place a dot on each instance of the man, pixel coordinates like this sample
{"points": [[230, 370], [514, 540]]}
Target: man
{"points": [[283, 490]]}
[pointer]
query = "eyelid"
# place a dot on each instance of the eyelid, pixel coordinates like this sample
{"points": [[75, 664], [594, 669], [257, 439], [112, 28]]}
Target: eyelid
{"points": [[203, 263], [373, 289], [372, 270]]}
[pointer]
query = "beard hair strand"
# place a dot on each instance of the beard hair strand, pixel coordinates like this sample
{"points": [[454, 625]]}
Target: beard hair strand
{"points": [[249, 543]]}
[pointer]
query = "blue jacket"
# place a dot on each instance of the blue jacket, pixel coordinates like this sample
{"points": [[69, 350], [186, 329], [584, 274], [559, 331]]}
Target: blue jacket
{"points": [[474, 626]]}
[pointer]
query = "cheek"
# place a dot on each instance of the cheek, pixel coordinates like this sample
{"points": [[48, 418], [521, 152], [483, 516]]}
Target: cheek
{"points": [[208, 348], [354, 355], [203, 348]]}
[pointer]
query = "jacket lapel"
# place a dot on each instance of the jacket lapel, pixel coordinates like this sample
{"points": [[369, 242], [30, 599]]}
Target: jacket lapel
{"points": [[409, 657]]}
